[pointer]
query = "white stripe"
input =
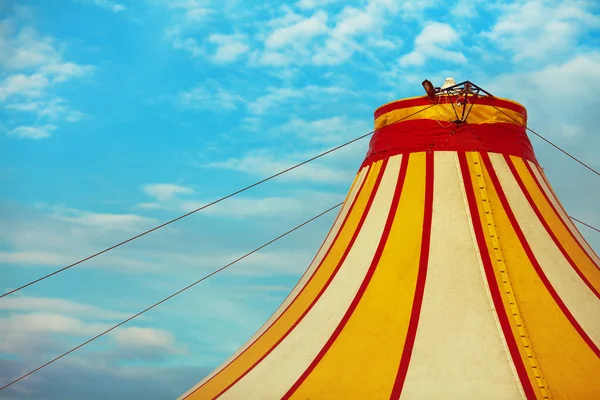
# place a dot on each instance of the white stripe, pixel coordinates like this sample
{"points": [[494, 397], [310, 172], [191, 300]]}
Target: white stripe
{"points": [[513, 368], [278, 372], [555, 202], [569, 286], [458, 352], [301, 283]]}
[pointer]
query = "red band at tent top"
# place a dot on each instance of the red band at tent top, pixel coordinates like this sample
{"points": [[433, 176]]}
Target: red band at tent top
{"points": [[428, 135]]}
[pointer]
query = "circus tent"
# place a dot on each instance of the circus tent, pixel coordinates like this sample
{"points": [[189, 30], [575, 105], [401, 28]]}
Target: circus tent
{"points": [[451, 271]]}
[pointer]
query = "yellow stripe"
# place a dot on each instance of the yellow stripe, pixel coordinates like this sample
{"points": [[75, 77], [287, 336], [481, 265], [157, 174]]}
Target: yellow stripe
{"points": [[504, 284], [563, 214], [479, 114], [263, 344], [363, 361], [358, 179], [295, 353], [579, 257], [581, 302], [570, 367]]}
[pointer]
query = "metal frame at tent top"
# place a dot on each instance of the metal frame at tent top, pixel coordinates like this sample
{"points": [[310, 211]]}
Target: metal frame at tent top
{"points": [[466, 87], [462, 91]]}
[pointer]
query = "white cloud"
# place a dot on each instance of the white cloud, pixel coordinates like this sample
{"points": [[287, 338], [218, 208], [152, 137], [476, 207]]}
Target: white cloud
{"points": [[24, 48], [188, 44], [187, 17], [192, 12], [300, 31], [312, 4], [165, 191], [56, 305], [53, 257], [196, 14], [434, 41], [541, 30], [273, 98], [39, 258], [63, 71], [239, 207], [30, 106], [384, 43], [28, 334], [298, 40], [265, 164], [41, 240], [135, 338], [47, 323], [280, 95], [562, 86], [289, 39], [23, 85], [54, 109], [103, 221], [32, 132], [201, 97], [110, 5], [229, 47], [353, 21], [332, 130], [167, 197], [465, 8], [32, 66]]}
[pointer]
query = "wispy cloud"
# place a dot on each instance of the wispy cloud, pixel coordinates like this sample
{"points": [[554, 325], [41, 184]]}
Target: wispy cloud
{"points": [[16, 303], [276, 97], [54, 109], [541, 30], [434, 41], [32, 333], [229, 47], [33, 65], [23, 85], [325, 38], [165, 191], [263, 164], [32, 132], [187, 16], [24, 49], [333, 130], [210, 97], [109, 5], [103, 221]]}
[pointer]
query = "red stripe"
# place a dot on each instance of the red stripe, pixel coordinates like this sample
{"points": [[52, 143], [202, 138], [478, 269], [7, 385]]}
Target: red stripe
{"points": [[326, 236], [314, 273], [517, 177], [532, 259], [424, 101], [419, 135], [358, 228], [420, 287], [491, 278], [364, 285], [564, 222]]}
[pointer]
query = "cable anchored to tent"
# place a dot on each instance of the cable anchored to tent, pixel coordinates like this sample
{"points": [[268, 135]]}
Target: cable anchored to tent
{"points": [[203, 207], [549, 142], [584, 224], [467, 89], [169, 297]]}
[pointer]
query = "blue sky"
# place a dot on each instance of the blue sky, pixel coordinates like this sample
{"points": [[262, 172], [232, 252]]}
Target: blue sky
{"points": [[118, 115]]}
